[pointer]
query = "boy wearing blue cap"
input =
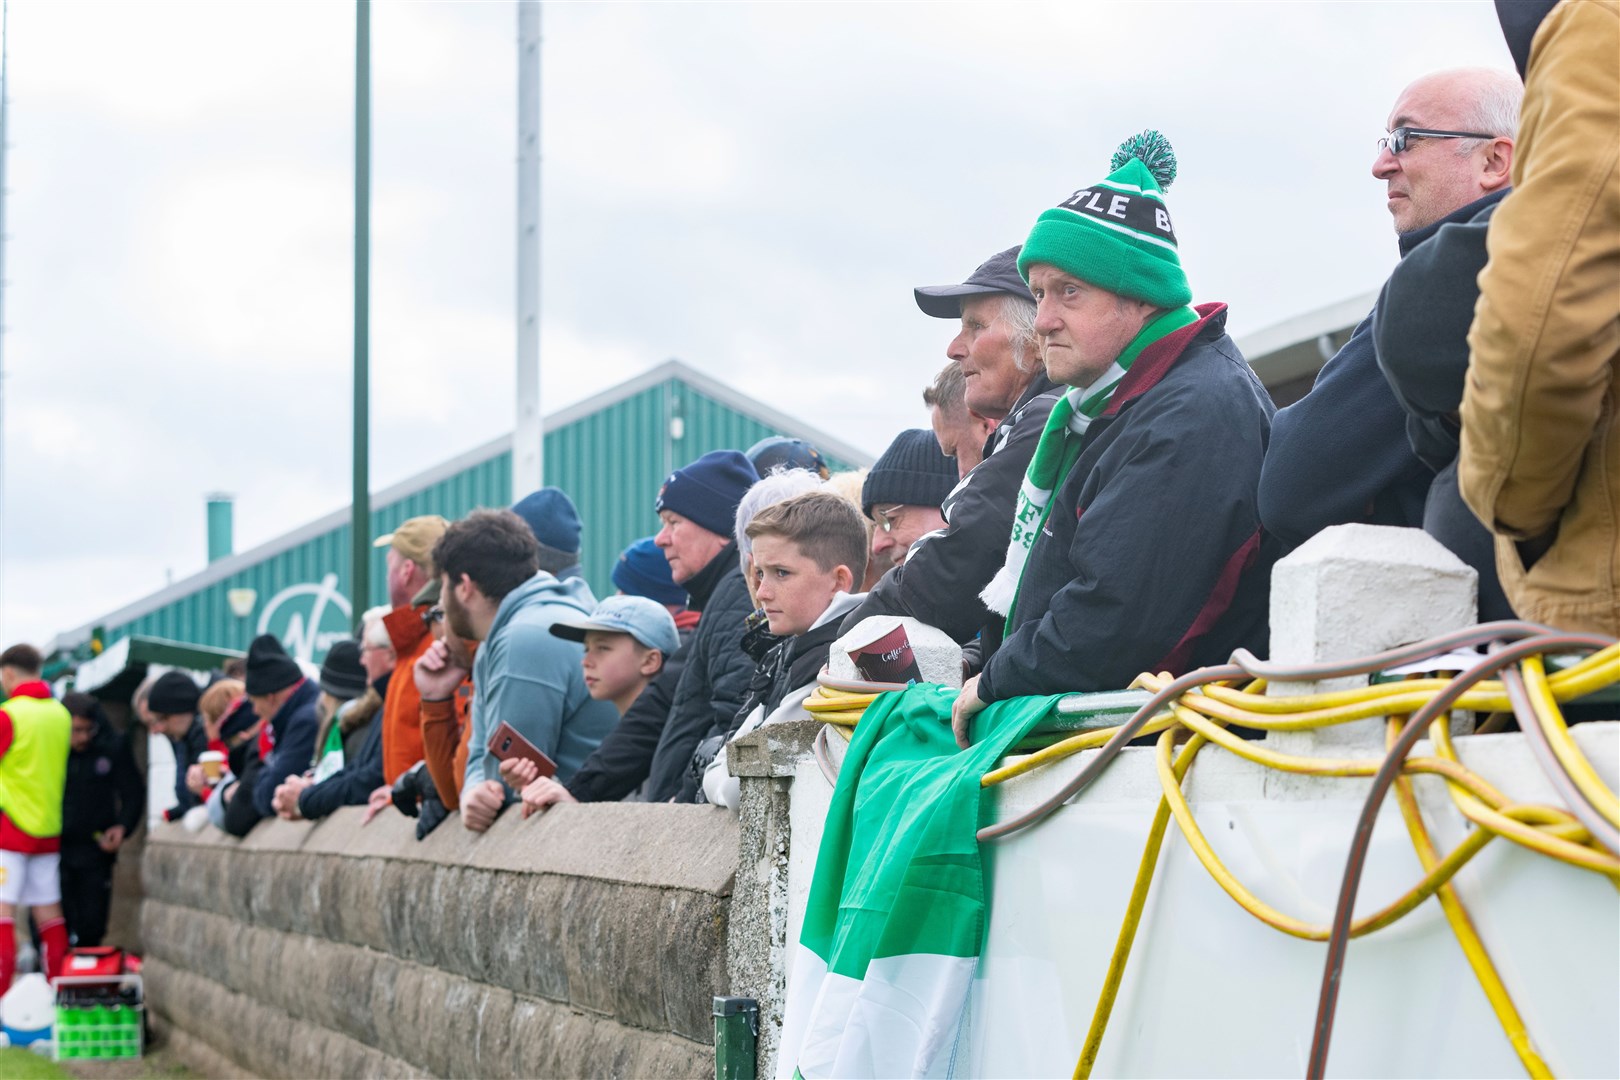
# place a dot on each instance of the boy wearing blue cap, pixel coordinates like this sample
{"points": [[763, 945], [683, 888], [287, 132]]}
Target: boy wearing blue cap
{"points": [[626, 639]]}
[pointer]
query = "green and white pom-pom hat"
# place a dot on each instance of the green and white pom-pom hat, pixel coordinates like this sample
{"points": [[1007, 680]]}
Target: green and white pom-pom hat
{"points": [[1116, 234]]}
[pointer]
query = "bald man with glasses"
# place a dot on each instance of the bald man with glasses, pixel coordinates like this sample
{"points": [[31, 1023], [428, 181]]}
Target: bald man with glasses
{"points": [[1341, 453]]}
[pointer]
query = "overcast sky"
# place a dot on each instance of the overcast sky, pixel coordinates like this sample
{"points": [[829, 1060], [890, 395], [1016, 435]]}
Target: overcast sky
{"points": [[751, 188]]}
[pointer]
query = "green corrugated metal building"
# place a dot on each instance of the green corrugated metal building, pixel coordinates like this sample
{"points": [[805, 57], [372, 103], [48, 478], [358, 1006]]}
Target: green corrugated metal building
{"points": [[610, 453]]}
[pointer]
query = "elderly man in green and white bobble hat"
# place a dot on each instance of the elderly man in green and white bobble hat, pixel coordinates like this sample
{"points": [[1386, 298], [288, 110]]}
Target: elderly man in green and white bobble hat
{"points": [[1136, 545]]}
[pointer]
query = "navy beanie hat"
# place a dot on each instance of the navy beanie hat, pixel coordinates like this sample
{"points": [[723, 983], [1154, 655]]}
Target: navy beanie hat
{"points": [[269, 668], [913, 471], [173, 694], [642, 570], [551, 516], [708, 490]]}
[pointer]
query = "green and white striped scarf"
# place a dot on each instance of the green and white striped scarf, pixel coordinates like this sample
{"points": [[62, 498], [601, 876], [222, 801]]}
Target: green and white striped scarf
{"points": [[1059, 448]]}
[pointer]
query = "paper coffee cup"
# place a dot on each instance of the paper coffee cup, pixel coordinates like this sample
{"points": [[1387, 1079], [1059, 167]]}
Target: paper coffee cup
{"points": [[213, 764], [888, 659]]}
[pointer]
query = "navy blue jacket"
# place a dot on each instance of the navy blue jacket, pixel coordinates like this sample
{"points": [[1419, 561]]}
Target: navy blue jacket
{"points": [[1152, 557], [353, 784], [295, 728]]}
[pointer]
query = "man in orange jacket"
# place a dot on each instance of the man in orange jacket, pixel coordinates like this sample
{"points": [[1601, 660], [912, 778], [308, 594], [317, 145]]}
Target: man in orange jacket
{"points": [[445, 709], [410, 569]]}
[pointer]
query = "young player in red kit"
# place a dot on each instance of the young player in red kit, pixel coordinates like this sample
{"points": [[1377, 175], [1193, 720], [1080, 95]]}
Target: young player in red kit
{"points": [[35, 732]]}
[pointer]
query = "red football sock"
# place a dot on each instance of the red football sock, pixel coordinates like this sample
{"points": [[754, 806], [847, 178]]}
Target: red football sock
{"points": [[53, 944], [8, 953]]}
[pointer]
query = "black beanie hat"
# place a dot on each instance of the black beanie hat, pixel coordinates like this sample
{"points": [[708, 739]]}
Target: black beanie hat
{"points": [[269, 668], [913, 471], [342, 676], [174, 694]]}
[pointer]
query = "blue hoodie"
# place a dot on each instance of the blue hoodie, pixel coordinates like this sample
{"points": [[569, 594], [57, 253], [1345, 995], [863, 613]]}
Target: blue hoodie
{"points": [[532, 680]]}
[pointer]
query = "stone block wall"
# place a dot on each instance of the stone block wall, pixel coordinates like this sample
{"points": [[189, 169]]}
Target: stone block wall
{"points": [[587, 942]]}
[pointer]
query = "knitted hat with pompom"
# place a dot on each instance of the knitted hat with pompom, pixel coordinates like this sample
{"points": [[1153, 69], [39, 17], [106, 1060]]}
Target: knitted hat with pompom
{"points": [[1116, 234]]}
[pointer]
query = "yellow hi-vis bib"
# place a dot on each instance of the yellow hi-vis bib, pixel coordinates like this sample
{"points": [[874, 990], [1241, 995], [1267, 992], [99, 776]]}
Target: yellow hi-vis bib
{"points": [[33, 772]]}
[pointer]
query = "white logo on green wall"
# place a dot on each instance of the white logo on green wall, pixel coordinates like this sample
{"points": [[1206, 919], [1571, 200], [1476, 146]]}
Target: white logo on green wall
{"points": [[308, 619]]}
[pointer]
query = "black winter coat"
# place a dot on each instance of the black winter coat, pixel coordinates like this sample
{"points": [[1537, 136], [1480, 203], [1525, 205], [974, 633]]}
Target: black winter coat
{"points": [[353, 784], [620, 762], [940, 580], [104, 788], [1152, 557], [711, 687], [1420, 330], [789, 664], [240, 813]]}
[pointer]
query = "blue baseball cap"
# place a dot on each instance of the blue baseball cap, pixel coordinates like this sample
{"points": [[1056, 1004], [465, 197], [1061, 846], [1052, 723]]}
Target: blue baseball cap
{"points": [[648, 621]]}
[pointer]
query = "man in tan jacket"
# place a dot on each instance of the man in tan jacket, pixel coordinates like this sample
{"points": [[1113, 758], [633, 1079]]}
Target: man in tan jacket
{"points": [[1540, 461]]}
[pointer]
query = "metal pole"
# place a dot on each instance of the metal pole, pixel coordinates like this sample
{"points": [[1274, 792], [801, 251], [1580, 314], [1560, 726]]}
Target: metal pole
{"points": [[528, 438], [5, 135], [360, 519]]}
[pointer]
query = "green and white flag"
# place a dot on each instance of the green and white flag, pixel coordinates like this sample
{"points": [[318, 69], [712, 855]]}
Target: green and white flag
{"points": [[896, 917]]}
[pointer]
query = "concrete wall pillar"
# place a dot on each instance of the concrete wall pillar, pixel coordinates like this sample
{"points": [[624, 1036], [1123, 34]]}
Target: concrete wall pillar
{"points": [[757, 947], [1352, 590]]}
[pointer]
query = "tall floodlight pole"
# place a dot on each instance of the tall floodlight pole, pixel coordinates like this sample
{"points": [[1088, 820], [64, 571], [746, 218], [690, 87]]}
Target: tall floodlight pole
{"points": [[360, 519], [5, 135], [527, 436]]}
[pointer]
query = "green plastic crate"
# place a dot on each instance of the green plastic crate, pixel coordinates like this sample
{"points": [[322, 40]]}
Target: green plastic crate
{"points": [[97, 1032]]}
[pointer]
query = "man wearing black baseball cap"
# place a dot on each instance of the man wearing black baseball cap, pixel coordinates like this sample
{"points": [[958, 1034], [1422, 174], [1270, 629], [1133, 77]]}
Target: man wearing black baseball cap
{"points": [[1006, 382]]}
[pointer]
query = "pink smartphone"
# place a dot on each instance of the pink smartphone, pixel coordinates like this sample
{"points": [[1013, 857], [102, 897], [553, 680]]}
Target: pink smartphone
{"points": [[506, 744]]}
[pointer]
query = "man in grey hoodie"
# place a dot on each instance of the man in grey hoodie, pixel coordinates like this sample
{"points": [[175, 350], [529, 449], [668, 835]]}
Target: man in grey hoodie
{"points": [[494, 592]]}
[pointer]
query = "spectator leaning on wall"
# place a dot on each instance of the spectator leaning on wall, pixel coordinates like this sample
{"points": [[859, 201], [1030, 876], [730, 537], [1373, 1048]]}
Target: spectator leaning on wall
{"points": [[494, 593], [285, 701], [172, 701], [410, 567], [343, 679], [652, 745], [1005, 380], [1540, 454], [1137, 542]]}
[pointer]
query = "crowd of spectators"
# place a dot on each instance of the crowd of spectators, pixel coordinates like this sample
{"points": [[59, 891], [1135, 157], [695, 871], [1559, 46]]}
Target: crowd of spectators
{"points": [[1104, 490]]}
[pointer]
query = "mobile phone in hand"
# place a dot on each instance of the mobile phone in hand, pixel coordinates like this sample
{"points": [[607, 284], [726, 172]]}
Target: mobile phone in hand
{"points": [[507, 744]]}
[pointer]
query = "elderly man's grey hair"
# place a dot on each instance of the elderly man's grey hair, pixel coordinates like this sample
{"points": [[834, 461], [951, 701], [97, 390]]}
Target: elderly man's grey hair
{"points": [[372, 630], [782, 483], [1019, 316], [1494, 97]]}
